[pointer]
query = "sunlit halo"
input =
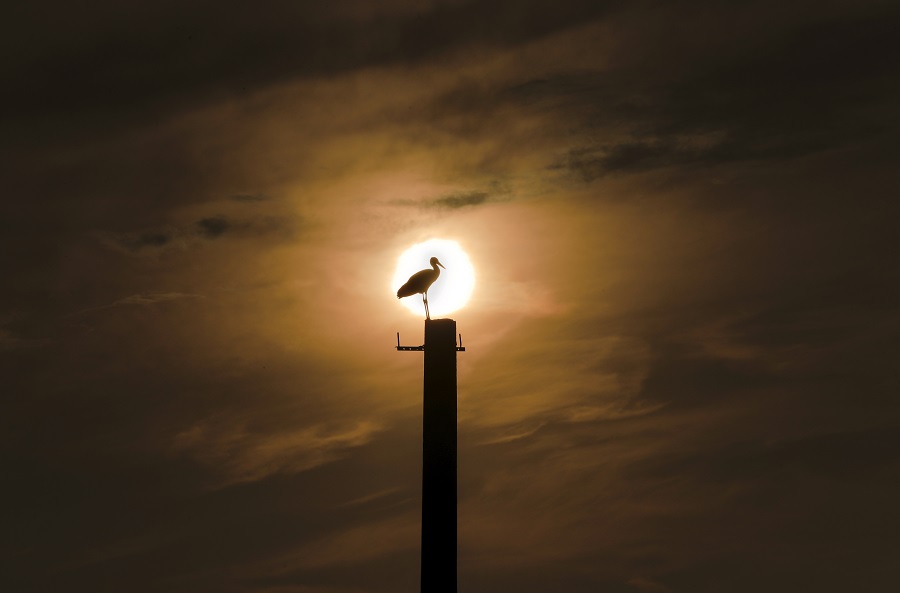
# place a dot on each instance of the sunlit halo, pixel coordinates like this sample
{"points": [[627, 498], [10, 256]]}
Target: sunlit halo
{"points": [[453, 287]]}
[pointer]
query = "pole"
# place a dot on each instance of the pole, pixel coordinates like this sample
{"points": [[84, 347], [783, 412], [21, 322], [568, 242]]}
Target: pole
{"points": [[439, 458]]}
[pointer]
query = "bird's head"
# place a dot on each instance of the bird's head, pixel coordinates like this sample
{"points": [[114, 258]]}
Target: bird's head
{"points": [[434, 261]]}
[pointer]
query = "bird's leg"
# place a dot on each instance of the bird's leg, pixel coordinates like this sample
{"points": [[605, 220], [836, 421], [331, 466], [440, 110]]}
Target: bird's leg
{"points": [[425, 300]]}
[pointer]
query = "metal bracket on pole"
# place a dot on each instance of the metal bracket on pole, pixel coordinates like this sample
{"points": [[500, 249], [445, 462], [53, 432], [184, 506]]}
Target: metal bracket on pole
{"points": [[408, 348], [421, 348]]}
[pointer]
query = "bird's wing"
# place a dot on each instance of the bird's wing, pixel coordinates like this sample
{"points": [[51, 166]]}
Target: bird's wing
{"points": [[418, 282], [405, 291]]}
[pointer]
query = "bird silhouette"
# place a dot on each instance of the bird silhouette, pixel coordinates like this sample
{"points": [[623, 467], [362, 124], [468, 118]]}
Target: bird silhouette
{"points": [[420, 282]]}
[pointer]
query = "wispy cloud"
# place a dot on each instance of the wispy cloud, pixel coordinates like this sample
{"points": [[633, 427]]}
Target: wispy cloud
{"points": [[461, 200], [138, 241], [242, 455], [142, 300], [213, 227], [350, 546], [205, 230], [362, 500], [250, 197]]}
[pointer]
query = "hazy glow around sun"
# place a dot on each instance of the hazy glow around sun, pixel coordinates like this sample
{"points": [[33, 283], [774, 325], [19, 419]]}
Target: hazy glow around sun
{"points": [[452, 289]]}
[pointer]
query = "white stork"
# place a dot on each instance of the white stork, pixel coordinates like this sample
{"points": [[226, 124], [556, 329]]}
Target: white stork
{"points": [[420, 282]]}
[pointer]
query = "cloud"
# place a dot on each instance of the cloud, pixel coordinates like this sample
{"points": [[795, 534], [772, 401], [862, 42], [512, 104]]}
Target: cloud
{"points": [[146, 239], [844, 456], [351, 546], [207, 229], [240, 455], [142, 300], [370, 498], [596, 161], [156, 297], [249, 197], [142, 242], [213, 227], [262, 48], [804, 88], [461, 200], [455, 200]]}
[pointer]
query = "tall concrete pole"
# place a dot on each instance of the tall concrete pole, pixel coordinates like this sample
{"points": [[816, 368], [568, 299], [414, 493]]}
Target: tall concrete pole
{"points": [[439, 458]]}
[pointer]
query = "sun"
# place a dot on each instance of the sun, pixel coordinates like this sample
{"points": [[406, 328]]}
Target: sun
{"points": [[452, 289]]}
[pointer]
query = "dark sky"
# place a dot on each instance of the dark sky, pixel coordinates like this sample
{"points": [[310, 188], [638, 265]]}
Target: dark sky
{"points": [[682, 372]]}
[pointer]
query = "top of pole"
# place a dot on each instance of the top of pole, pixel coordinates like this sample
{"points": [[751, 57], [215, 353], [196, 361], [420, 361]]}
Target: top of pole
{"points": [[435, 325]]}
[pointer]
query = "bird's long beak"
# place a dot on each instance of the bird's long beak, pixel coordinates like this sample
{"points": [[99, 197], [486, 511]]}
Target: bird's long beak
{"points": [[442, 265]]}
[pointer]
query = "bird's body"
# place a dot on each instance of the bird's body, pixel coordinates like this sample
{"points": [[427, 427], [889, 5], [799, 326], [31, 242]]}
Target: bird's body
{"points": [[420, 282]]}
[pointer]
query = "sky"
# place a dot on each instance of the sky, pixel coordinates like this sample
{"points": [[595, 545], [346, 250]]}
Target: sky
{"points": [[681, 372]]}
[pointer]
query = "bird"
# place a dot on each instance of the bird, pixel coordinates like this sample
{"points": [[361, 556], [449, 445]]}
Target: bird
{"points": [[420, 282]]}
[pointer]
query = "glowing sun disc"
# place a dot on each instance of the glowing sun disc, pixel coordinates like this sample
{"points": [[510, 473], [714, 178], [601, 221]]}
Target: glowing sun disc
{"points": [[452, 289]]}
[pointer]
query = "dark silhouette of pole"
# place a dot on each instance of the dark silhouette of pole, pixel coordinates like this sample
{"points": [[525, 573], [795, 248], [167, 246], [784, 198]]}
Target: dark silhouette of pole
{"points": [[438, 455], [439, 458]]}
